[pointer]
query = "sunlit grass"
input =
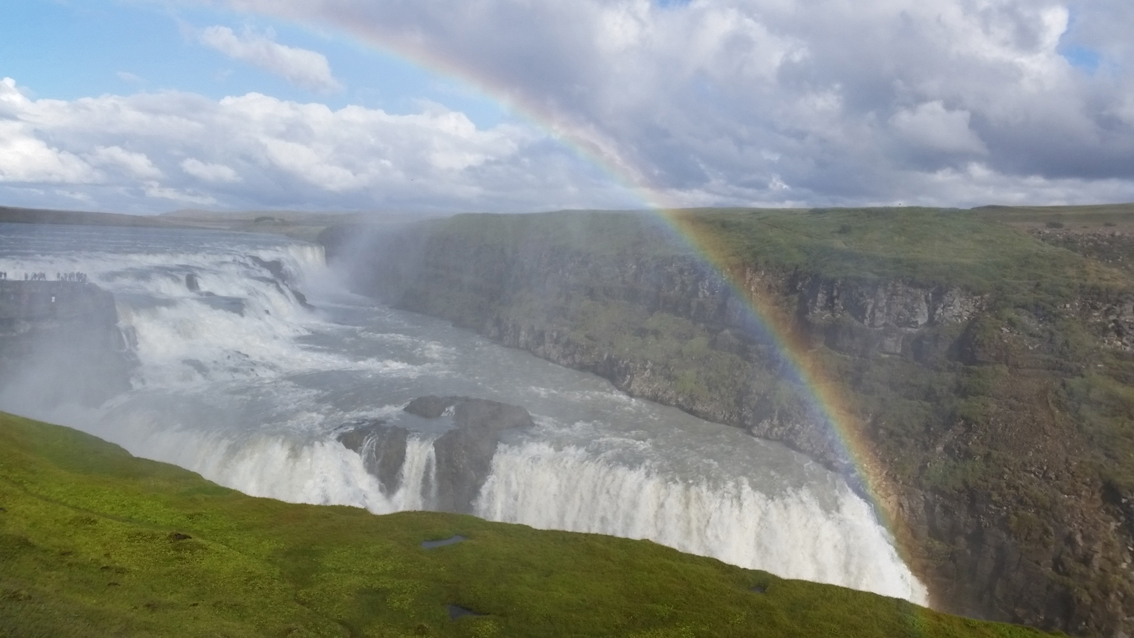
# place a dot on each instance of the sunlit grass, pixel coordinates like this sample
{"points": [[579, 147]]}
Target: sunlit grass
{"points": [[946, 247], [94, 542]]}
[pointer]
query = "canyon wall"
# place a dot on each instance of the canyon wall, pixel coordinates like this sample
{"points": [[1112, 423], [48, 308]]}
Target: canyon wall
{"points": [[1001, 422], [60, 342]]}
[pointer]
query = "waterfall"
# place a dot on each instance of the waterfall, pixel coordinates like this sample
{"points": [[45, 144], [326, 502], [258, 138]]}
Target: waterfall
{"points": [[790, 534], [243, 383]]}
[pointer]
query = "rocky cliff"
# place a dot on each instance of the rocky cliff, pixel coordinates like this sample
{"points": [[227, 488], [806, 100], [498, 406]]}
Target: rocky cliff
{"points": [[993, 386], [60, 342], [463, 454]]}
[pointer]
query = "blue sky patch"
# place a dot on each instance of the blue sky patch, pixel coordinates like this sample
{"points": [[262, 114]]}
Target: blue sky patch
{"points": [[68, 51], [1082, 57]]}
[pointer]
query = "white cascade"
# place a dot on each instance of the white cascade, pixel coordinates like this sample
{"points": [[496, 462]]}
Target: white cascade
{"points": [[791, 534]]}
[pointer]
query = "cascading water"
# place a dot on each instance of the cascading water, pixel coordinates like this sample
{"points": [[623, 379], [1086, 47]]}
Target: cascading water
{"points": [[241, 382], [540, 486]]}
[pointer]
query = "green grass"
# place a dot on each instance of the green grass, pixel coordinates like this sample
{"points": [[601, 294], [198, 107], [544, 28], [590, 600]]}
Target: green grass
{"points": [[94, 542], [949, 247], [1097, 216], [594, 232], [979, 250]]}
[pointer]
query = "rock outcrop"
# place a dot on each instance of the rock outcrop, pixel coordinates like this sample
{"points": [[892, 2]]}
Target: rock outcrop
{"points": [[987, 411], [382, 448], [59, 343], [463, 455], [281, 278]]}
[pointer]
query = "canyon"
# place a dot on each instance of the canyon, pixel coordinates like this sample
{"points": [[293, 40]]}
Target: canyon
{"points": [[995, 402]]}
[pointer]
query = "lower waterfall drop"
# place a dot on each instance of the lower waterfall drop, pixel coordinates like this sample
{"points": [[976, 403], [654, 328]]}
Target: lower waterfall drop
{"points": [[791, 535]]}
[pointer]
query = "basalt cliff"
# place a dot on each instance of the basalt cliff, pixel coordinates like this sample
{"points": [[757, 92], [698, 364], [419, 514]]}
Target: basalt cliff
{"points": [[60, 342], [987, 372]]}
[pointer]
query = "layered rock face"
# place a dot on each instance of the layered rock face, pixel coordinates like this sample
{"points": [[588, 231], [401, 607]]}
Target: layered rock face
{"points": [[463, 455], [381, 447], [59, 343], [986, 411]]}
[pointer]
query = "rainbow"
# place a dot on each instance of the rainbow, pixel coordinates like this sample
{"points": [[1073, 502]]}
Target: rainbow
{"points": [[828, 400]]}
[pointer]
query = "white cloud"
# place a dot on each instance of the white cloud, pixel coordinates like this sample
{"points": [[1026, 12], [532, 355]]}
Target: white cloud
{"points": [[157, 191], [210, 172], [771, 102], [131, 78], [932, 127], [24, 158], [81, 197], [301, 67], [117, 158], [289, 154], [857, 100]]}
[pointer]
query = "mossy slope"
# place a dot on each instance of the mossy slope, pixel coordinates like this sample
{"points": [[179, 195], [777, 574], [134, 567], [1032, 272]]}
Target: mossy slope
{"points": [[94, 542]]}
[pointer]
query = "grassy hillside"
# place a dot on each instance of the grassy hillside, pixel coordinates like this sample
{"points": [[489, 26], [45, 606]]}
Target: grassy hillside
{"points": [[1099, 216], [295, 224], [978, 250], [94, 542], [14, 215], [970, 249]]}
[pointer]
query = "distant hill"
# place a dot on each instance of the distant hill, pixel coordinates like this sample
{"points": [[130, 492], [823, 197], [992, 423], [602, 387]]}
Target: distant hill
{"points": [[296, 224], [1116, 216], [46, 216]]}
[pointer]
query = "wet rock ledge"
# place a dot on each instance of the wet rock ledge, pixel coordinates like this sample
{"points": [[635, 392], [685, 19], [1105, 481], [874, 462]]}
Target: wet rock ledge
{"points": [[463, 454], [60, 342]]}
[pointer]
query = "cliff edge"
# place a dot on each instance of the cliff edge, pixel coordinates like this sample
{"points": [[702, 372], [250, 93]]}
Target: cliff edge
{"points": [[59, 343]]}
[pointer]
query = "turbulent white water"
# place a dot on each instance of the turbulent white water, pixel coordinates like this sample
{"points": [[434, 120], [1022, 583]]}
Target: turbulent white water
{"points": [[241, 383], [792, 533]]}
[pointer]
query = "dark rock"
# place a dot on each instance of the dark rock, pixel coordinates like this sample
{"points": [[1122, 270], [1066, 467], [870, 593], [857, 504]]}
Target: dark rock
{"points": [[178, 536], [464, 454], [464, 458], [382, 448], [479, 414], [280, 278], [274, 266], [301, 298], [430, 407]]}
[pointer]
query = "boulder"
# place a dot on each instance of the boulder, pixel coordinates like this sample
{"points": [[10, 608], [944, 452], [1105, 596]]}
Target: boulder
{"points": [[382, 448]]}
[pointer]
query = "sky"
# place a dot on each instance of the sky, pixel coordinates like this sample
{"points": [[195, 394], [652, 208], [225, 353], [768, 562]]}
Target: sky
{"points": [[147, 106]]}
